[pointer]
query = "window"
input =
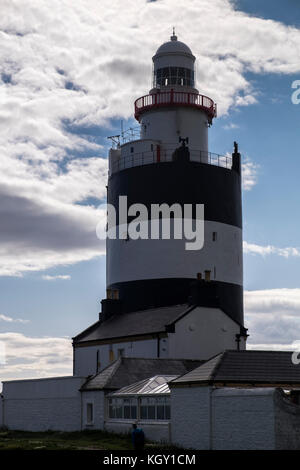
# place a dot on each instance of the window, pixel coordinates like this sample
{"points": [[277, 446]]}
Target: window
{"points": [[115, 294], [155, 408], [150, 408], [112, 294], [173, 76], [122, 408], [214, 236], [89, 413], [207, 275]]}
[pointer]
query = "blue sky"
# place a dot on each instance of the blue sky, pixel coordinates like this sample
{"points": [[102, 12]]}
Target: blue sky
{"points": [[53, 137]]}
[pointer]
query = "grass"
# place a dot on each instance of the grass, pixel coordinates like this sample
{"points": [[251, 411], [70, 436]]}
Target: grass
{"points": [[55, 440]]}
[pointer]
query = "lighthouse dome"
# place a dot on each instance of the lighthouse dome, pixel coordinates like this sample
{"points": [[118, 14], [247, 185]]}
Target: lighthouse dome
{"points": [[173, 47]]}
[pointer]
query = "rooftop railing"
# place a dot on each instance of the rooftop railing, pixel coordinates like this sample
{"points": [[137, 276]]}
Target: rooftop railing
{"points": [[166, 155]]}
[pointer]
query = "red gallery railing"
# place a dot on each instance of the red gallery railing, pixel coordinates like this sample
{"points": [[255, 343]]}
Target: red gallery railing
{"points": [[175, 98]]}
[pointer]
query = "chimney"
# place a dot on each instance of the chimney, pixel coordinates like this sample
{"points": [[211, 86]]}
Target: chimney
{"points": [[203, 292], [110, 306]]}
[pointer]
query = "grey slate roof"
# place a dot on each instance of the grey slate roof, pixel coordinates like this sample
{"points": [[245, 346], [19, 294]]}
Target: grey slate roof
{"points": [[245, 367], [142, 322], [127, 370]]}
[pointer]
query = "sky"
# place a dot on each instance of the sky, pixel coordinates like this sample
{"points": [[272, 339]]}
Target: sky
{"points": [[69, 74]]}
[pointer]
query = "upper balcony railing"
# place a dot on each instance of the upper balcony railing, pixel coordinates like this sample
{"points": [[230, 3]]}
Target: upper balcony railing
{"points": [[149, 157], [175, 98]]}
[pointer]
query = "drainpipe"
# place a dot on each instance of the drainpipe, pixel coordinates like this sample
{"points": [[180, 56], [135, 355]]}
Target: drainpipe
{"points": [[210, 419], [158, 346], [81, 412], [238, 341]]}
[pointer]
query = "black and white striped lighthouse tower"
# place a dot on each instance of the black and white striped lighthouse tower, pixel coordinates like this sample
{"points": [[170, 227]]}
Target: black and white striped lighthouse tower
{"points": [[171, 164]]}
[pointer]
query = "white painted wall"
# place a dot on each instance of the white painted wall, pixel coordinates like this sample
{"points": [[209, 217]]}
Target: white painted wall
{"points": [[152, 259], [178, 59], [85, 360], [202, 334], [98, 400], [223, 419], [43, 404], [243, 419], [168, 124], [190, 417], [146, 146], [86, 357]]}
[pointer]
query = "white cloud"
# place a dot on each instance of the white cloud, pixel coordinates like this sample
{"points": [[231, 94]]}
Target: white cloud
{"points": [[264, 250], [230, 126], [28, 357], [65, 277], [69, 65], [273, 316], [249, 174], [12, 320], [294, 346]]}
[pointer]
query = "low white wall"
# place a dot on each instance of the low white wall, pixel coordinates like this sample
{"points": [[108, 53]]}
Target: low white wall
{"points": [[243, 419], [43, 404], [190, 417], [154, 431], [287, 423], [203, 418]]}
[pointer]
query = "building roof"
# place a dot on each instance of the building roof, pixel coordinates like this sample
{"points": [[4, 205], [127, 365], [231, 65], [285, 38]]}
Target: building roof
{"points": [[143, 322], [127, 371], [174, 47], [245, 367], [155, 385]]}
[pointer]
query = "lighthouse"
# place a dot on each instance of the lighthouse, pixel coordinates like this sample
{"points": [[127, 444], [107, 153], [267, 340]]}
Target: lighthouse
{"points": [[164, 300], [149, 273]]}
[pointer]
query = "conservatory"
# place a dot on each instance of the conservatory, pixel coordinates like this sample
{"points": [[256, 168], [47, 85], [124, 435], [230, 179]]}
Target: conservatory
{"points": [[146, 402]]}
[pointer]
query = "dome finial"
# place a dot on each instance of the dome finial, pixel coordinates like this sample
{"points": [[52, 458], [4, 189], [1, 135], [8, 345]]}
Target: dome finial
{"points": [[173, 37]]}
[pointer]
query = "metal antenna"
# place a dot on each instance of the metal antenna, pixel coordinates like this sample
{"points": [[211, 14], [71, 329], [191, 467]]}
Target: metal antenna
{"points": [[174, 37]]}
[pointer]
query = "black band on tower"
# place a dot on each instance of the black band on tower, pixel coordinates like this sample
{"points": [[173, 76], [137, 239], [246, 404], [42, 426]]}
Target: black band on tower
{"points": [[219, 189], [143, 294]]}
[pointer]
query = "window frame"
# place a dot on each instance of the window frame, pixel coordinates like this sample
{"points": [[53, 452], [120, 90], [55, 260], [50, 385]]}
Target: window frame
{"points": [[92, 407], [115, 409]]}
